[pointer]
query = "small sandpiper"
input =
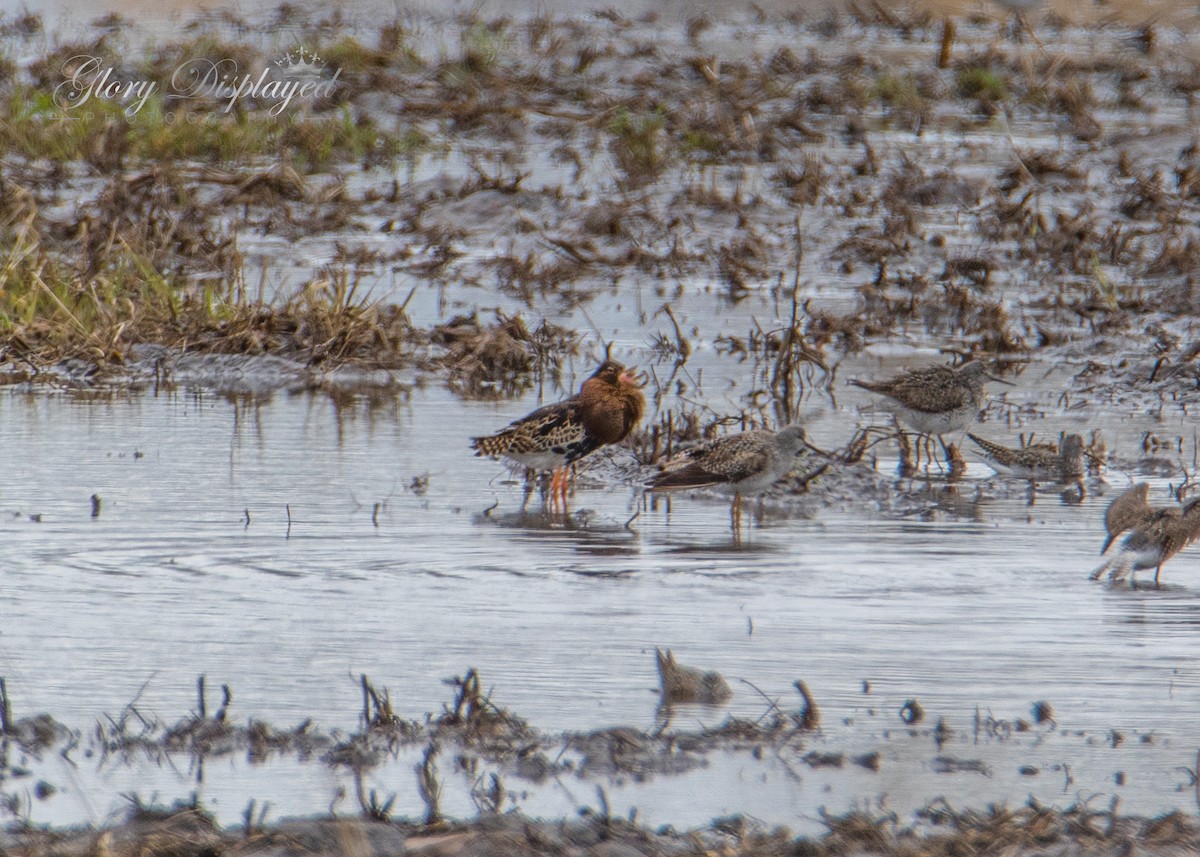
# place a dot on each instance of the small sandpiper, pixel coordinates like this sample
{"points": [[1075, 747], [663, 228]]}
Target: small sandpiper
{"points": [[937, 400], [608, 407], [688, 684], [1155, 541], [749, 462], [1038, 462], [1128, 512]]}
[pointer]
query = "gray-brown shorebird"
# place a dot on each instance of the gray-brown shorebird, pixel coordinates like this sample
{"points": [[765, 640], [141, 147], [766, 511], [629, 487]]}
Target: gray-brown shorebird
{"points": [[937, 400], [1038, 462], [1128, 512], [747, 463], [1168, 531], [688, 684], [608, 407]]}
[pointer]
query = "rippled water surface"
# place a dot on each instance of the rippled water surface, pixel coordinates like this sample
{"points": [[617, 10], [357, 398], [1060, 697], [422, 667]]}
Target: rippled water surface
{"points": [[193, 566], [286, 544]]}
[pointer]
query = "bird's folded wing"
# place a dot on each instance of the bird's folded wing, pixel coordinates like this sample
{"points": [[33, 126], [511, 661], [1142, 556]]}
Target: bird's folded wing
{"points": [[712, 464], [935, 397]]}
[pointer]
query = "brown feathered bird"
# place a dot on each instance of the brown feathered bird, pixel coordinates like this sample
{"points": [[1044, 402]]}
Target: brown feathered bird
{"points": [[688, 684], [608, 407], [749, 462], [1037, 462], [1128, 512], [937, 400], [1168, 531]]}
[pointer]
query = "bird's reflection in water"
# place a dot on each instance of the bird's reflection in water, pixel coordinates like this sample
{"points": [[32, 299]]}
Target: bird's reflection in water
{"points": [[584, 530]]}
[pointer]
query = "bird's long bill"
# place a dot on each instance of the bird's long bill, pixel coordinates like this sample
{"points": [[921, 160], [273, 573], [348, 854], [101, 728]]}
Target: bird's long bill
{"points": [[631, 376], [992, 377]]}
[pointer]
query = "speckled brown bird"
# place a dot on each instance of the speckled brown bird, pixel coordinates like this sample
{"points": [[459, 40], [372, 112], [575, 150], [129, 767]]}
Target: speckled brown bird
{"points": [[745, 463], [937, 400], [1044, 462], [688, 684], [608, 407], [1128, 512], [1168, 531]]}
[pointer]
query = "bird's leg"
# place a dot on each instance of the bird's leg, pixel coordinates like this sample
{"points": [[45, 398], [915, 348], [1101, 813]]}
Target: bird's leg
{"points": [[1157, 570], [908, 467], [736, 518], [530, 475], [955, 461], [564, 487], [555, 483], [929, 459]]}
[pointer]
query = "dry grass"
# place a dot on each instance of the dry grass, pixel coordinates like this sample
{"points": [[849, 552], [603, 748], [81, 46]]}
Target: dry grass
{"points": [[50, 311]]}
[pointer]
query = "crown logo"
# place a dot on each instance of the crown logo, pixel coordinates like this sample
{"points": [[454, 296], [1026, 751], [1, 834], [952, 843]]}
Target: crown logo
{"points": [[302, 63]]}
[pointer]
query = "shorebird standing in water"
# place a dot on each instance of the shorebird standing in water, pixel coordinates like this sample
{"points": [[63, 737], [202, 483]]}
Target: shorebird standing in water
{"points": [[1038, 462], [608, 407], [937, 400], [1166, 532], [747, 463], [1128, 512]]}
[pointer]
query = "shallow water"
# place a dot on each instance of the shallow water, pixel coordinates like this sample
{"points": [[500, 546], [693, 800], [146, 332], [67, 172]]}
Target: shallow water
{"points": [[288, 543], [986, 613]]}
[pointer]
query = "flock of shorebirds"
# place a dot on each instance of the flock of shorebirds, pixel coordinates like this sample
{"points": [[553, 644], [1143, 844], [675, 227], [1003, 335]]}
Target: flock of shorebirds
{"points": [[933, 402]]}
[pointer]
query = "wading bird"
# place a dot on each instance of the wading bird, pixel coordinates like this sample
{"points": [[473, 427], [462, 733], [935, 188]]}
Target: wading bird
{"points": [[1168, 531], [937, 400], [747, 463], [607, 408], [1129, 511], [1038, 462]]}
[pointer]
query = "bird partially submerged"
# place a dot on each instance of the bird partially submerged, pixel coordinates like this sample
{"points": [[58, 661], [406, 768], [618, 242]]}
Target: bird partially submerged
{"points": [[936, 400], [688, 684]]}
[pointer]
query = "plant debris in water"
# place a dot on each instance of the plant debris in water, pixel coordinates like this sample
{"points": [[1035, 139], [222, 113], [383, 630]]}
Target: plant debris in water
{"points": [[672, 160]]}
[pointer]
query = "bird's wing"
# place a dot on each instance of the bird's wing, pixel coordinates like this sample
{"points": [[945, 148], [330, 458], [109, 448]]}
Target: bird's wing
{"points": [[1153, 531], [935, 390], [549, 426], [932, 390], [1128, 509], [1179, 532], [717, 462]]}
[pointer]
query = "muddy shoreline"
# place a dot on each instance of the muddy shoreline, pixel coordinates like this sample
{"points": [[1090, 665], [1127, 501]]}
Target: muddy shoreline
{"points": [[943, 831], [475, 753]]}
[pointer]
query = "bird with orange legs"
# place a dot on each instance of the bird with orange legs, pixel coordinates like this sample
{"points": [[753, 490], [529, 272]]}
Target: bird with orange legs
{"points": [[607, 408]]}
